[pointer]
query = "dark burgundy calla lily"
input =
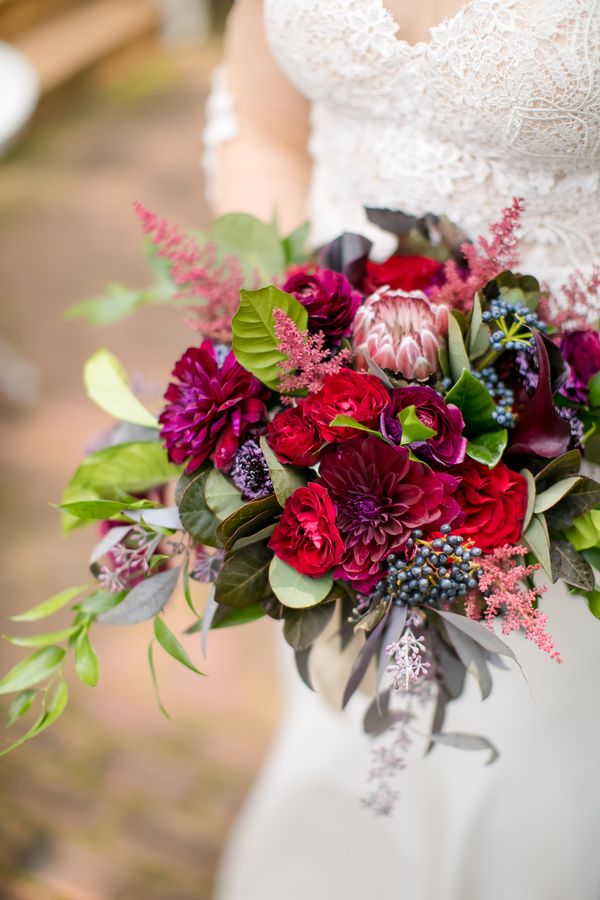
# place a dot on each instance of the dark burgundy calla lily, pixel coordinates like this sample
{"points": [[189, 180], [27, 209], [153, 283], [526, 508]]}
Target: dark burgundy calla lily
{"points": [[540, 430], [347, 254]]}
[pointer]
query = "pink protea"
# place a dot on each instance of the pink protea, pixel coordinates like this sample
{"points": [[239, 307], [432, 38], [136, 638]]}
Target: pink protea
{"points": [[401, 331]]}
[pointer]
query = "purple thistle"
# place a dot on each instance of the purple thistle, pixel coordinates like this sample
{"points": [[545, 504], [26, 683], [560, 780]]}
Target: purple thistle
{"points": [[250, 472]]}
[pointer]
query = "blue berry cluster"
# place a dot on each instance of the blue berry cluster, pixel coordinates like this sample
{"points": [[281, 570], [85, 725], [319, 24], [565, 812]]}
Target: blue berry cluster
{"points": [[522, 320], [503, 395], [439, 571]]}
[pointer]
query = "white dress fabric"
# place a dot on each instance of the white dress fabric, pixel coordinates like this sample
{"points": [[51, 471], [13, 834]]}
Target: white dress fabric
{"points": [[502, 101]]}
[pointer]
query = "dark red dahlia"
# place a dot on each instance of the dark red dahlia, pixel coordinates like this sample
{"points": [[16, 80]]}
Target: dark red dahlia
{"points": [[329, 298], [210, 408], [381, 495]]}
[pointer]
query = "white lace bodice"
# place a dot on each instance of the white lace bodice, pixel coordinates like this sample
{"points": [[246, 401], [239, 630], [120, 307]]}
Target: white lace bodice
{"points": [[502, 100]]}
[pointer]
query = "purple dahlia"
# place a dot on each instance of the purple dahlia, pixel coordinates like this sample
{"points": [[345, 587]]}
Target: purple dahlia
{"points": [[381, 495], [210, 408], [329, 298]]}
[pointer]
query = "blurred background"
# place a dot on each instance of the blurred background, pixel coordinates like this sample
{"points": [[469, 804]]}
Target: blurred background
{"points": [[101, 104]]}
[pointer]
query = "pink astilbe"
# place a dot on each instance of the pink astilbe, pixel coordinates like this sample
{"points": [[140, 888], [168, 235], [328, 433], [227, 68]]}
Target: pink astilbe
{"points": [[485, 259], [198, 274], [577, 305], [307, 360], [503, 580]]}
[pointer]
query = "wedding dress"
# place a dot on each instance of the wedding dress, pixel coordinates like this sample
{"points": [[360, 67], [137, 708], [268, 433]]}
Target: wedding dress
{"points": [[503, 100]]}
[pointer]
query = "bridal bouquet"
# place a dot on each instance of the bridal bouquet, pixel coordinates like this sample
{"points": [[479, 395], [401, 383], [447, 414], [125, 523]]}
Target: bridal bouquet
{"points": [[389, 450]]}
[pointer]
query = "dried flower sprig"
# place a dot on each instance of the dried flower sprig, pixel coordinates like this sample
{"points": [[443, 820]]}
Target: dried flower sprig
{"points": [[307, 361], [577, 306]]}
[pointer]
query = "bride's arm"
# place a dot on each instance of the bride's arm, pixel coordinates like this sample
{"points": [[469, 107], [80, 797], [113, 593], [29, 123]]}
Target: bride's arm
{"points": [[266, 167]]}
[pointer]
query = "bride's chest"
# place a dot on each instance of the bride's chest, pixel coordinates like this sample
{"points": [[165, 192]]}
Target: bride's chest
{"points": [[532, 66]]}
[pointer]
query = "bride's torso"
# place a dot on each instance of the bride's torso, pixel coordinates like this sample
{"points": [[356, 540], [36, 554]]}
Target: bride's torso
{"points": [[503, 99]]}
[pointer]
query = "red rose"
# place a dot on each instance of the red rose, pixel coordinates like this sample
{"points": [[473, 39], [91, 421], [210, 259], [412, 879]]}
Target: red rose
{"points": [[294, 438], [307, 537], [494, 502], [355, 394], [404, 273]]}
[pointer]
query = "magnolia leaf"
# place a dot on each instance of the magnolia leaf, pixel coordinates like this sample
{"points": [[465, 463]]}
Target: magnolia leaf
{"points": [[49, 607], [394, 629], [222, 496], [475, 403], [244, 577], [583, 498], [538, 540], [349, 422], [255, 343], [467, 742], [554, 494], [488, 448], [472, 656], [479, 633], [570, 566], [171, 644], [457, 352], [107, 385], [86, 661], [413, 429], [32, 670], [263, 535], [196, 516], [20, 705], [303, 626], [143, 601], [285, 479], [295, 590], [531, 495]]}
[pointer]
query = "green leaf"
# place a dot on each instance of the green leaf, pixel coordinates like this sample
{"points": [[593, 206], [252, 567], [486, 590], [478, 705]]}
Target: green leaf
{"points": [[570, 566], [554, 494], [349, 422], [43, 640], [100, 601], [593, 557], [565, 465], [583, 498], [457, 352], [32, 670], [226, 617], [20, 705], [294, 245], [244, 577], [255, 344], [285, 479], [169, 642], [255, 244], [155, 680], [479, 332], [295, 590], [248, 520], [488, 448], [143, 601], [55, 709], [116, 304], [475, 403], [86, 661], [538, 540], [134, 468], [186, 586], [303, 626], [196, 516], [104, 509], [594, 390], [515, 288], [49, 607], [221, 495], [412, 427], [107, 385], [593, 599], [527, 475], [584, 534]]}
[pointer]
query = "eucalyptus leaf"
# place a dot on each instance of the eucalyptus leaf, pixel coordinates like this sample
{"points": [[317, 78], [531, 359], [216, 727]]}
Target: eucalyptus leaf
{"points": [[196, 516], [467, 742], [295, 590], [222, 496], [86, 661], [565, 465], [488, 448], [248, 520], [303, 626], [50, 606], [583, 498], [32, 670], [302, 664], [107, 385], [285, 479], [363, 660], [143, 601], [457, 352], [20, 706], [570, 566], [472, 656], [554, 494], [255, 343], [531, 496], [538, 540], [172, 645], [244, 576], [487, 638]]}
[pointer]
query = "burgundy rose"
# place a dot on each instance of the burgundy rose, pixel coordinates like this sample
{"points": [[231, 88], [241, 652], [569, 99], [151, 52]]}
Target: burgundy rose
{"points": [[294, 438], [210, 408], [348, 393], [581, 349], [404, 273], [493, 502], [306, 536], [447, 447], [381, 495], [329, 298]]}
